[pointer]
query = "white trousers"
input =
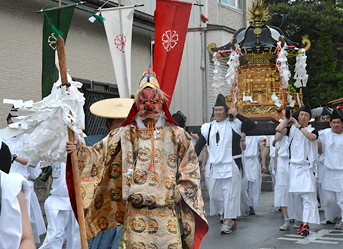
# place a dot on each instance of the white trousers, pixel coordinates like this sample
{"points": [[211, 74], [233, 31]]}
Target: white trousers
{"points": [[271, 168], [281, 196], [226, 195], [252, 171], [333, 204], [303, 207], [281, 193], [244, 195], [36, 216], [62, 226], [208, 178]]}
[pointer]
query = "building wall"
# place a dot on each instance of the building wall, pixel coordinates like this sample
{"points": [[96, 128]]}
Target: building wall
{"points": [[231, 17], [88, 55], [223, 14]]}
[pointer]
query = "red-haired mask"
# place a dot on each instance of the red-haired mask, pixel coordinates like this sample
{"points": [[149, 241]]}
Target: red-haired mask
{"points": [[149, 104]]}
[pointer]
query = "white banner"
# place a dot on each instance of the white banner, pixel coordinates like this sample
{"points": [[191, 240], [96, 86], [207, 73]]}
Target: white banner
{"points": [[118, 25]]}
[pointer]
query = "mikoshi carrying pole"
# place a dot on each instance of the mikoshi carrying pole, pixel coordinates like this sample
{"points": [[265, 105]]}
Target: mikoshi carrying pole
{"points": [[74, 160]]}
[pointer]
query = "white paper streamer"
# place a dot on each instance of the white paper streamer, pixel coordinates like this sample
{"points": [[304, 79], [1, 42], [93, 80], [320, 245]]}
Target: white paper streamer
{"points": [[233, 64], [46, 124], [249, 98], [276, 100], [290, 100], [285, 73], [300, 73], [218, 83], [298, 100]]}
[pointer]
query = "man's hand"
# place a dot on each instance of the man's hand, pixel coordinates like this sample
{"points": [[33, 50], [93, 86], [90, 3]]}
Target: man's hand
{"points": [[72, 146], [195, 136], [295, 122], [233, 111], [264, 169]]}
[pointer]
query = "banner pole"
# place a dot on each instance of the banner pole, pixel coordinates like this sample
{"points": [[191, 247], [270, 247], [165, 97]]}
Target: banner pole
{"points": [[74, 160]]}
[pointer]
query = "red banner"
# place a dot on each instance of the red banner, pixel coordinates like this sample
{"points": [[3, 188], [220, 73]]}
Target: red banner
{"points": [[171, 18]]}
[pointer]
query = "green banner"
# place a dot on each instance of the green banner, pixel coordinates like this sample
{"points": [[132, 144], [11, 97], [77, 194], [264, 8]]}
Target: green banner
{"points": [[60, 17]]}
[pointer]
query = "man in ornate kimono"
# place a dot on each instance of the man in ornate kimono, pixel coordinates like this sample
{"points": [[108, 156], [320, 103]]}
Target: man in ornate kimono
{"points": [[146, 176]]}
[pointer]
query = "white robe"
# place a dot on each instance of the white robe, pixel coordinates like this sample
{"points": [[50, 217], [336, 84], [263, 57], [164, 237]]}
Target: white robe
{"points": [[252, 168], [332, 179], [302, 182], [62, 224], [10, 216], [36, 216], [281, 194], [226, 188], [270, 140]]}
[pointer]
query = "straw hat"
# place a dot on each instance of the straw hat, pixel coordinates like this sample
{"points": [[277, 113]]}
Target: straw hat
{"points": [[112, 108]]}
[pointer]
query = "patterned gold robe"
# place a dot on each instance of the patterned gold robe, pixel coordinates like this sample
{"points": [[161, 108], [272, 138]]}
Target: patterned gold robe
{"points": [[121, 186]]}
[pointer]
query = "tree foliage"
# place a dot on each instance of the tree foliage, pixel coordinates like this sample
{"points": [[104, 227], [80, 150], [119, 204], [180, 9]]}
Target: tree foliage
{"points": [[322, 23]]}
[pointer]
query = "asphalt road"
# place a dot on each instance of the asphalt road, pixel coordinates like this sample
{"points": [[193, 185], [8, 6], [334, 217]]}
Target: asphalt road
{"points": [[261, 231]]}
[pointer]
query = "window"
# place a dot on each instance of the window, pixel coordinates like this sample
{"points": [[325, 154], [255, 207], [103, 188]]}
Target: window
{"points": [[234, 3]]}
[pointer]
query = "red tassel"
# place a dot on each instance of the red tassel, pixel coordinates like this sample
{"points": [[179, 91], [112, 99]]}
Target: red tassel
{"points": [[203, 18]]}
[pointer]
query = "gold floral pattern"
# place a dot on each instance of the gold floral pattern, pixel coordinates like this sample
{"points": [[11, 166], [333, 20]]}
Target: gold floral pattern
{"points": [[140, 177], [103, 223], [138, 245], [99, 200], [115, 171], [152, 246], [116, 194], [138, 225], [129, 158], [150, 201], [172, 226], [144, 154], [172, 161], [152, 226], [170, 183]]}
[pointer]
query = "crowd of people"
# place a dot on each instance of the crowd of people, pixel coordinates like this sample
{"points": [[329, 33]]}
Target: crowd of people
{"points": [[141, 182], [305, 166]]}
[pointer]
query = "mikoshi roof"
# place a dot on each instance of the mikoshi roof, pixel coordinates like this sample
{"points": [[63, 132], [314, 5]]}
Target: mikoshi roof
{"points": [[112, 108]]}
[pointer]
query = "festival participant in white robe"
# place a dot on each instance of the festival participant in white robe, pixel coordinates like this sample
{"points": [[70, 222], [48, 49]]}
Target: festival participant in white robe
{"points": [[244, 186], [252, 169], [331, 141], [223, 139], [269, 148], [15, 227], [281, 194], [302, 185], [324, 117], [19, 166], [62, 224]]}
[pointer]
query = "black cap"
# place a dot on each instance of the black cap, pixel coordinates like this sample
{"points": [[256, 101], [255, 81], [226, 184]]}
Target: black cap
{"points": [[296, 114], [5, 158], [336, 114], [221, 101], [11, 114], [180, 118], [306, 108], [325, 112]]}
